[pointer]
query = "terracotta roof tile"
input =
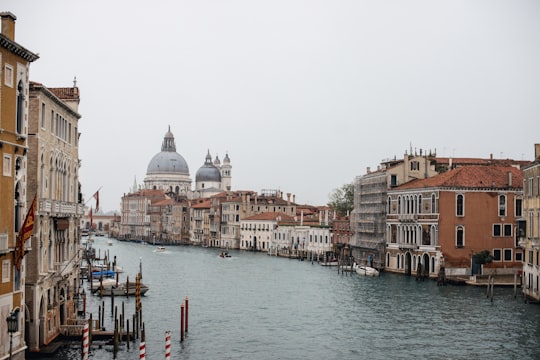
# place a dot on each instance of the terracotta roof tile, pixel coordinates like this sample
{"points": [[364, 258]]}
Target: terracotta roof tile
{"points": [[471, 177], [271, 216]]}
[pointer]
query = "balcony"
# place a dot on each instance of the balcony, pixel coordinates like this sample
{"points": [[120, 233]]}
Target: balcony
{"points": [[407, 246], [408, 217], [60, 208]]}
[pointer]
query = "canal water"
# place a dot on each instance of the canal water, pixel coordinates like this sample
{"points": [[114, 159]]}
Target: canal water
{"points": [[253, 306]]}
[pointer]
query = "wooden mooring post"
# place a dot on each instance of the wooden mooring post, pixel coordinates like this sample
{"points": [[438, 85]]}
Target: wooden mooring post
{"points": [[181, 322], [187, 312]]}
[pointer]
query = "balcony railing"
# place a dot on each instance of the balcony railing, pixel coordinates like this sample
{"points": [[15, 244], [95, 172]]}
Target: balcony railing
{"points": [[60, 208]]}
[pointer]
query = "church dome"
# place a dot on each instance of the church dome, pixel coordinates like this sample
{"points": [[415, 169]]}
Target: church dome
{"points": [[168, 160], [208, 172]]}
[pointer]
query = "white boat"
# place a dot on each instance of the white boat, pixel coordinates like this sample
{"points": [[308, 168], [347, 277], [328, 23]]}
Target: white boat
{"points": [[160, 249], [331, 262], [109, 242], [107, 284], [366, 271]]}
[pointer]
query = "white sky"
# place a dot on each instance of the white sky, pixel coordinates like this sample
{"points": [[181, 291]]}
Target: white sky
{"points": [[302, 94]]}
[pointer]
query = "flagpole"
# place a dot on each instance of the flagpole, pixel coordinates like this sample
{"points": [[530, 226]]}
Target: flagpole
{"points": [[86, 202]]}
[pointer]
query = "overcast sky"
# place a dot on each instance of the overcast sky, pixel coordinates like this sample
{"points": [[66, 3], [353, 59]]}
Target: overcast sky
{"points": [[302, 94]]}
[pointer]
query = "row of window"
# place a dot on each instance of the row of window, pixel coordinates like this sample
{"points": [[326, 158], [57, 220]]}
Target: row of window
{"points": [[59, 126], [412, 204]]}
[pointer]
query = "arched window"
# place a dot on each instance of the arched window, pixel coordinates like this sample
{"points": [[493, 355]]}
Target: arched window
{"points": [[433, 204], [460, 211], [419, 204], [388, 209], [502, 205], [399, 205], [460, 236], [20, 107]]}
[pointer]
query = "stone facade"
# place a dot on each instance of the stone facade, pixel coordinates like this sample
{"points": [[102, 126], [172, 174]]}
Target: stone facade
{"points": [[52, 277]]}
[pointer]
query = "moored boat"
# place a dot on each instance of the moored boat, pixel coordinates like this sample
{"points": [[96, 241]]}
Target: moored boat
{"points": [[125, 289], [366, 270], [106, 284]]}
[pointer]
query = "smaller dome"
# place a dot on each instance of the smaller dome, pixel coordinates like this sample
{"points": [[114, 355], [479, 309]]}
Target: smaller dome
{"points": [[208, 172]]}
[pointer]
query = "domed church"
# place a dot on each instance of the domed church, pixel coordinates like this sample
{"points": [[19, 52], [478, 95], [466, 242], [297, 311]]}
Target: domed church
{"points": [[168, 171], [212, 178]]}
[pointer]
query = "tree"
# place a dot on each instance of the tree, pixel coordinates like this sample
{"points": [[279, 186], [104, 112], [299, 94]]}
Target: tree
{"points": [[482, 257], [342, 199]]}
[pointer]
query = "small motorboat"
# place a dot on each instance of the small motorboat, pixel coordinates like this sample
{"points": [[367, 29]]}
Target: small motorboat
{"points": [[106, 284], [224, 254], [330, 262], [125, 289], [160, 249], [364, 270]]}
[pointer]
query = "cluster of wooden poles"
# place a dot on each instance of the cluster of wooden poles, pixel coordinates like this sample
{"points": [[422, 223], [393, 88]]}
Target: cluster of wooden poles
{"points": [[122, 326]]}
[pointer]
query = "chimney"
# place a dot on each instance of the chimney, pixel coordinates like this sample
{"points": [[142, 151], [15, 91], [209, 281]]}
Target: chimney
{"points": [[288, 198], [509, 173], [368, 170], [294, 198], [8, 24], [537, 151]]}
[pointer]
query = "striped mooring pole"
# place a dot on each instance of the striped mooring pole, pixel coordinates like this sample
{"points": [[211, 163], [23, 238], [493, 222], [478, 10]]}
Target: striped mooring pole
{"points": [[167, 345], [142, 351], [85, 342]]}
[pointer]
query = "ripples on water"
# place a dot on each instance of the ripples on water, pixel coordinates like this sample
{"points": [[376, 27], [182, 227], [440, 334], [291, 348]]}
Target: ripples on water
{"points": [[253, 306]]}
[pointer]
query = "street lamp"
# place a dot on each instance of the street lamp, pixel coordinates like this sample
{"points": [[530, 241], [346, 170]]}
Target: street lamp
{"points": [[12, 327]]}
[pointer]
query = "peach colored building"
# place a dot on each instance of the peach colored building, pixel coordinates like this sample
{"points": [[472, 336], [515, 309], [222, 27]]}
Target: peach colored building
{"points": [[14, 80], [444, 220]]}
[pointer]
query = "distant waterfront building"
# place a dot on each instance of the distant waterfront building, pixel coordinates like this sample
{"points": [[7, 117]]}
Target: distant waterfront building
{"points": [[256, 232], [104, 223], [15, 199], [135, 214], [200, 222], [446, 219], [531, 230], [52, 277], [239, 205]]}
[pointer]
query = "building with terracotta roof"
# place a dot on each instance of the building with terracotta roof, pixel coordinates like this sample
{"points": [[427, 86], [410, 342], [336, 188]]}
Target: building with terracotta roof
{"points": [[257, 231], [531, 230], [15, 63], [444, 220], [136, 214], [368, 218]]}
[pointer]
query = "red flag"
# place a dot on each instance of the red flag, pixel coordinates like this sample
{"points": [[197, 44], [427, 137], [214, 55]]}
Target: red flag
{"points": [[24, 234], [91, 221], [96, 196]]}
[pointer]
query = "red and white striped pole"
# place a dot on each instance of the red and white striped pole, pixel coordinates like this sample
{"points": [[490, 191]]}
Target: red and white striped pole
{"points": [[142, 351], [85, 342], [167, 345]]}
